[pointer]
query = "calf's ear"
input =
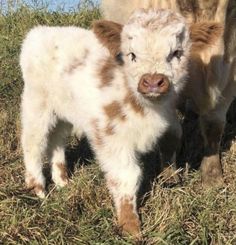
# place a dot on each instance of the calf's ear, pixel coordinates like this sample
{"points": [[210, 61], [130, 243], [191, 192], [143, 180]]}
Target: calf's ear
{"points": [[109, 34], [205, 34]]}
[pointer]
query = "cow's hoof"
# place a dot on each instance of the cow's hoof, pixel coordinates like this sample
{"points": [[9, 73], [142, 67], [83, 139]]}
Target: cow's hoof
{"points": [[211, 172]]}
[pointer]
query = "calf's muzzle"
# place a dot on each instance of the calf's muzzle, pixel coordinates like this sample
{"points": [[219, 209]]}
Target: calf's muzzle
{"points": [[153, 84]]}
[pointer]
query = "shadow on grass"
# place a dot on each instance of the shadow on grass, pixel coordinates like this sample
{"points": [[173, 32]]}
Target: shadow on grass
{"points": [[80, 154]]}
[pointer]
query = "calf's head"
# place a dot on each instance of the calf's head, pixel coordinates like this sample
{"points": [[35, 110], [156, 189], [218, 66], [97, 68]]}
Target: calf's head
{"points": [[154, 48]]}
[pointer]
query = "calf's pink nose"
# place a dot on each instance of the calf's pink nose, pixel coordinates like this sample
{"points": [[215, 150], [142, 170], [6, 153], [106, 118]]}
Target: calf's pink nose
{"points": [[153, 83]]}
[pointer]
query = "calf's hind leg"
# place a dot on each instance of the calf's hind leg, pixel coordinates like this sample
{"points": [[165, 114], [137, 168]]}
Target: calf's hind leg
{"points": [[36, 123], [56, 152]]}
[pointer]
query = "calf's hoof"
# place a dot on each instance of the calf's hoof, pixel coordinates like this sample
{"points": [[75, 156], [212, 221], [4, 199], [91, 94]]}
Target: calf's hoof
{"points": [[60, 175], [128, 221], [130, 228], [38, 186], [211, 172]]}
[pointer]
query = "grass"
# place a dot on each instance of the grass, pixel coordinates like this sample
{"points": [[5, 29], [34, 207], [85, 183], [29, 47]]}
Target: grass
{"points": [[83, 213]]}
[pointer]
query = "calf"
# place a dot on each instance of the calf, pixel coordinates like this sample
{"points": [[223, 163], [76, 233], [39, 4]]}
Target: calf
{"points": [[211, 86], [115, 84]]}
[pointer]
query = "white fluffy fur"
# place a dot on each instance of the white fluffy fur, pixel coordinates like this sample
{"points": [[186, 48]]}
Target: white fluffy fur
{"points": [[58, 94]]}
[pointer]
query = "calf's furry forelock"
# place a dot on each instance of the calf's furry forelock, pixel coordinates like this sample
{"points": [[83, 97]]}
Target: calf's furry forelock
{"points": [[146, 18]]}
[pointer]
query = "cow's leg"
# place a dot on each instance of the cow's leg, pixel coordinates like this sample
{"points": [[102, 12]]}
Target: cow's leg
{"points": [[56, 153], [212, 128], [169, 146], [123, 177], [36, 123]]}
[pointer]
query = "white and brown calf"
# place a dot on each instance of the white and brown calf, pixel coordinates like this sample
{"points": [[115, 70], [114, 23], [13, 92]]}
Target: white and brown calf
{"points": [[115, 84], [211, 86]]}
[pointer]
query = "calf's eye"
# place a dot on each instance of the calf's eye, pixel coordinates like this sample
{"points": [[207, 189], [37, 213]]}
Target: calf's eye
{"points": [[132, 56], [119, 58], [177, 53]]}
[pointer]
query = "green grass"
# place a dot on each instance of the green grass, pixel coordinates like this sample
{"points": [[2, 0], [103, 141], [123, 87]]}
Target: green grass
{"points": [[83, 213]]}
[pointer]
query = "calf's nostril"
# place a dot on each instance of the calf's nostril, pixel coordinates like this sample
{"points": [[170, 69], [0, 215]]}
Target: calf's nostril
{"points": [[161, 83], [146, 83]]}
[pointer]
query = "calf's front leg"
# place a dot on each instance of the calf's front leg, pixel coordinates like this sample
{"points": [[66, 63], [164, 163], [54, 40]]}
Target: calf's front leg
{"points": [[123, 176]]}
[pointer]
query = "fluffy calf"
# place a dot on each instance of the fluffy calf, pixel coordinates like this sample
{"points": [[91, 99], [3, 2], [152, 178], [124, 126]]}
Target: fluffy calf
{"points": [[115, 84], [212, 85]]}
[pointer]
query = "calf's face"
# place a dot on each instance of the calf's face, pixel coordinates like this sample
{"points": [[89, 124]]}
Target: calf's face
{"points": [[152, 49], [155, 49]]}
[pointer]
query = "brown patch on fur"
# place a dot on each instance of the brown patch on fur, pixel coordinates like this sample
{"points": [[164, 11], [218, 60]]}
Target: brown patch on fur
{"points": [[63, 171], [128, 219], [109, 129], [205, 34], [106, 73], [98, 139], [114, 110], [76, 62], [108, 33], [130, 99], [33, 185]]}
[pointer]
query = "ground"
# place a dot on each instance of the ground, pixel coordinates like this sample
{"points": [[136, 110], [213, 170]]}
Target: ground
{"points": [[83, 212]]}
